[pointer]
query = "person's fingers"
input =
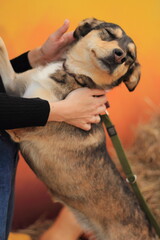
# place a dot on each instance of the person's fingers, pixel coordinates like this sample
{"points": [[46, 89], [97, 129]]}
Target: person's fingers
{"points": [[100, 109], [64, 41], [86, 126], [68, 37], [100, 100], [94, 119], [97, 119], [60, 31], [97, 92], [83, 124]]}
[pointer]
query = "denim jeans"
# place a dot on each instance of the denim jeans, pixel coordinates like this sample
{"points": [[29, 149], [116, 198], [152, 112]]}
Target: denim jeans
{"points": [[8, 164]]}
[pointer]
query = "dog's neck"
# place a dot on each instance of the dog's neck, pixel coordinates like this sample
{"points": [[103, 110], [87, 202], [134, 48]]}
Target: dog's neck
{"points": [[81, 79]]}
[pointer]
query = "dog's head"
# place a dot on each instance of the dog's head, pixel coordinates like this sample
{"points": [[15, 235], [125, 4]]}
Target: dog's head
{"points": [[109, 50]]}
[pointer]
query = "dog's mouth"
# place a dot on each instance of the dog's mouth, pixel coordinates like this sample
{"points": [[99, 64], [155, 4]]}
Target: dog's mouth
{"points": [[115, 83], [108, 64]]}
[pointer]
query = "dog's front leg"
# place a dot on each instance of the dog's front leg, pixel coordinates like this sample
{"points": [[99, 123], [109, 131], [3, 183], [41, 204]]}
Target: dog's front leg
{"points": [[6, 71], [14, 83]]}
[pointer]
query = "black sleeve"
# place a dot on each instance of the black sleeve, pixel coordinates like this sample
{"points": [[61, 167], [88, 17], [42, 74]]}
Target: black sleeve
{"points": [[17, 112], [21, 63]]}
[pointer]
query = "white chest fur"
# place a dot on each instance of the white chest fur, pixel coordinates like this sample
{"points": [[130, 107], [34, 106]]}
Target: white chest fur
{"points": [[39, 83]]}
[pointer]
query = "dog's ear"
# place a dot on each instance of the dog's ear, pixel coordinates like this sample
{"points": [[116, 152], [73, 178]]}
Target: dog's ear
{"points": [[85, 27], [82, 30], [132, 77]]}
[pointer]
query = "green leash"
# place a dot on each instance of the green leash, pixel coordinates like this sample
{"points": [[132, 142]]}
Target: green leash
{"points": [[130, 177]]}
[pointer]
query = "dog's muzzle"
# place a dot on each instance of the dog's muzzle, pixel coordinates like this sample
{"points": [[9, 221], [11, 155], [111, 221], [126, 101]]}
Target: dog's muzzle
{"points": [[116, 58], [119, 56]]}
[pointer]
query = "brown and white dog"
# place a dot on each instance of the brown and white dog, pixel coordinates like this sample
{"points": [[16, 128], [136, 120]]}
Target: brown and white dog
{"points": [[73, 163]]}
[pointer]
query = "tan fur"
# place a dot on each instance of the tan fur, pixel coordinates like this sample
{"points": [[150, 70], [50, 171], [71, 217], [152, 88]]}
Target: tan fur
{"points": [[118, 33], [87, 51], [144, 157], [74, 164], [131, 47]]}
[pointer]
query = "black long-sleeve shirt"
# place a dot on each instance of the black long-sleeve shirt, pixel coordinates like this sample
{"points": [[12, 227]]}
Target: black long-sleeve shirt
{"points": [[17, 112]]}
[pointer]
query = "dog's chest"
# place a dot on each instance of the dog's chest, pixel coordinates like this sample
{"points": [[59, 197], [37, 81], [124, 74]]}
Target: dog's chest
{"points": [[41, 85]]}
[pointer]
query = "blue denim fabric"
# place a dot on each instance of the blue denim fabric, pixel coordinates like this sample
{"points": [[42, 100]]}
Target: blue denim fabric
{"points": [[8, 164]]}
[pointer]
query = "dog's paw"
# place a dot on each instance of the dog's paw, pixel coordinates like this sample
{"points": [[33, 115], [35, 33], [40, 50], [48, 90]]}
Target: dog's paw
{"points": [[2, 45], [15, 134], [3, 50]]}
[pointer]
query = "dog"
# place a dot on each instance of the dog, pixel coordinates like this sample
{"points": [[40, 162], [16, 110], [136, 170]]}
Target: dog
{"points": [[81, 174]]}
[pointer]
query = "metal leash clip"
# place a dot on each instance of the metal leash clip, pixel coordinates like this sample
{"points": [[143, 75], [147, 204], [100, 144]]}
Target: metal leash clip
{"points": [[132, 179]]}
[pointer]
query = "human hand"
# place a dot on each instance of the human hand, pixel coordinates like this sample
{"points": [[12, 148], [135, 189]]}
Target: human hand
{"points": [[80, 108], [56, 44], [53, 48]]}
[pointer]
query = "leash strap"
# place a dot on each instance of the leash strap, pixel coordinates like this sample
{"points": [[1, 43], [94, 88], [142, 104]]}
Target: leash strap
{"points": [[130, 177]]}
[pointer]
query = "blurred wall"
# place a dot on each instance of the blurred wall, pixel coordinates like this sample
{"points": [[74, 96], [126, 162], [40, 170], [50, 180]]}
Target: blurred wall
{"points": [[26, 24]]}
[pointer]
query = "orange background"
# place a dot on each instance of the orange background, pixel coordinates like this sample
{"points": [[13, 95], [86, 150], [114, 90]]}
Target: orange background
{"points": [[26, 24]]}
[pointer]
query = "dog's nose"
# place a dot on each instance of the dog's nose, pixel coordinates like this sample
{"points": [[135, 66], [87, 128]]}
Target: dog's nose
{"points": [[119, 55]]}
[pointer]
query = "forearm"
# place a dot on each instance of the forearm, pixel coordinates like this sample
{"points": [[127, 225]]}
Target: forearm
{"points": [[20, 112]]}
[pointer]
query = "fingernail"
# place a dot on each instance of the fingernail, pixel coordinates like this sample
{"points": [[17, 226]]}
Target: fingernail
{"points": [[107, 104], [66, 21]]}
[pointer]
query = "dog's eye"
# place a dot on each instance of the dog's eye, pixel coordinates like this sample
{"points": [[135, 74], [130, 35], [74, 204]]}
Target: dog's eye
{"points": [[110, 33], [131, 55]]}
